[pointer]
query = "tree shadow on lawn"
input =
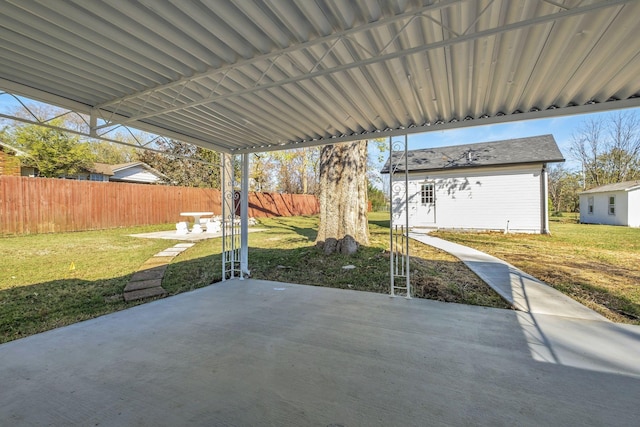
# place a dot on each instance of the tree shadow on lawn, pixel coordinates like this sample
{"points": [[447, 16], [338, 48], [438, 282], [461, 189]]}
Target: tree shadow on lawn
{"points": [[308, 232], [432, 279], [27, 310], [31, 309], [381, 223]]}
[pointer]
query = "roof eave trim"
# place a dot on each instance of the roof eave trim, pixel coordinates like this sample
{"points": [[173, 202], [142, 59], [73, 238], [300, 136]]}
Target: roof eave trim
{"points": [[553, 111], [453, 168]]}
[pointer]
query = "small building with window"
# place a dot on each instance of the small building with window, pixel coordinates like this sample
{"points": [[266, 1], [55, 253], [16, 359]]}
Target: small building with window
{"points": [[499, 185], [612, 204]]}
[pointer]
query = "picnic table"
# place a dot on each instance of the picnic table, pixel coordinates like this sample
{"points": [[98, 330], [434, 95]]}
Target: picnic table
{"points": [[197, 228]]}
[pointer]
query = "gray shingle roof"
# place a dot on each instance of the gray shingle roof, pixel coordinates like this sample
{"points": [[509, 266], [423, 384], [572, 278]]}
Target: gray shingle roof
{"points": [[620, 186], [535, 149]]}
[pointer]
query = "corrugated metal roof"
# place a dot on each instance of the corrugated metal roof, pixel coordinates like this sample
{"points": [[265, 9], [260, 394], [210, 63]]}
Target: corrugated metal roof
{"points": [[536, 149], [620, 186], [247, 75]]}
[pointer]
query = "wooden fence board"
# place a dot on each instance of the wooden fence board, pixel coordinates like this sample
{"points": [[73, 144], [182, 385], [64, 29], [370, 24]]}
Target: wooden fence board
{"points": [[45, 205]]}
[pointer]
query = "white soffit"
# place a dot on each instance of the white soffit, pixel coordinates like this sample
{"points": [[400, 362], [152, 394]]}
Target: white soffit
{"points": [[242, 76]]}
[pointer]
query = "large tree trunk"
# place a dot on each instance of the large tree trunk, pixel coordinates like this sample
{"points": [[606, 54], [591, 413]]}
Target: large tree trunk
{"points": [[343, 198]]}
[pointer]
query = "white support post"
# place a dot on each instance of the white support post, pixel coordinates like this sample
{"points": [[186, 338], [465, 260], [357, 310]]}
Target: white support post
{"points": [[406, 211], [399, 234], [244, 219], [391, 248], [93, 122], [230, 238], [225, 209], [544, 177]]}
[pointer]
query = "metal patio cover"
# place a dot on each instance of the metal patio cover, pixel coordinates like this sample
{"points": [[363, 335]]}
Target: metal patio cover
{"points": [[243, 76]]}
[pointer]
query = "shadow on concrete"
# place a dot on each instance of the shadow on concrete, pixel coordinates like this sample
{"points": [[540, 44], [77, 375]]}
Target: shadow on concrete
{"points": [[256, 352], [250, 352]]}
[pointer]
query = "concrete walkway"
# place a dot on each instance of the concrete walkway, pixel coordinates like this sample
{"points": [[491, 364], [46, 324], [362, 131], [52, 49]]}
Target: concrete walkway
{"points": [[255, 353], [522, 291], [147, 281]]}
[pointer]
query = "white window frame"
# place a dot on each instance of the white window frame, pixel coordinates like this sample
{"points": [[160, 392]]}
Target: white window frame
{"points": [[590, 205], [427, 193], [611, 206]]}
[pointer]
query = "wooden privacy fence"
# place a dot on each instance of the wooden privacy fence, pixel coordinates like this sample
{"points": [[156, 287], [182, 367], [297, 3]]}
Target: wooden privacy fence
{"points": [[47, 205]]}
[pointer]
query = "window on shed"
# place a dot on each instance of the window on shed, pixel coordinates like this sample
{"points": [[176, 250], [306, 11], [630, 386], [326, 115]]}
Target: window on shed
{"points": [[427, 195], [612, 205], [590, 205]]}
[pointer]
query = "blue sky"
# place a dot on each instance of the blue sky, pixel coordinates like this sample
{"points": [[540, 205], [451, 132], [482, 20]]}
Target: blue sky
{"points": [[562, 129]]}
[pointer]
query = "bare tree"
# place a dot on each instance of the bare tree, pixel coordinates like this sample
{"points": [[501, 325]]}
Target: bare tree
{"points": [[296, 170], [261, 173], [180, 170], [111, 153], [609, 151], [564, 186]]}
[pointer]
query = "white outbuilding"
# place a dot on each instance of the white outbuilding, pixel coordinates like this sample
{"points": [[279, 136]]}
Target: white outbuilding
{"points": [[499, 185], [612, 204]]}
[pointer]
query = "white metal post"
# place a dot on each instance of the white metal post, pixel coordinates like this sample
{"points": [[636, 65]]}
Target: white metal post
{"points": [[399, 234], [406, 211], [223, 192], [244, 218], [230, 241], [545, 200], [391, 248]]}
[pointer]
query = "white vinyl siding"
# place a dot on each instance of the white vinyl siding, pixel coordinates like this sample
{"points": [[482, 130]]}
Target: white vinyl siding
{"points": [[633, 208], [135, 174], [480, 198], [602, 208]]}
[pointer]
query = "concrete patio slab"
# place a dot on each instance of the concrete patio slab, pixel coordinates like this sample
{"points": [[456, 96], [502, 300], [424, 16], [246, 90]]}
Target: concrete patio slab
{"points": [[266, 353], [190, 237]]}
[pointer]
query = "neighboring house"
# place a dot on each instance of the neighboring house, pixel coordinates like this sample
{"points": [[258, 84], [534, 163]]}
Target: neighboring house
{"points": [[137, 172], [99, 172], [613, 204], [9, 160], [132, 172], [498, 185]]}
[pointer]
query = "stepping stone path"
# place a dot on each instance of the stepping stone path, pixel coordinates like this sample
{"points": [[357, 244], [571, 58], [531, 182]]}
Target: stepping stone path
{"points": [[147, 281]]}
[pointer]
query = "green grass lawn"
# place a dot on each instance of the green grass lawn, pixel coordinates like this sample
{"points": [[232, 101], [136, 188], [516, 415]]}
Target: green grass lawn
{"points": [[598, 265], [51, 280]]}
